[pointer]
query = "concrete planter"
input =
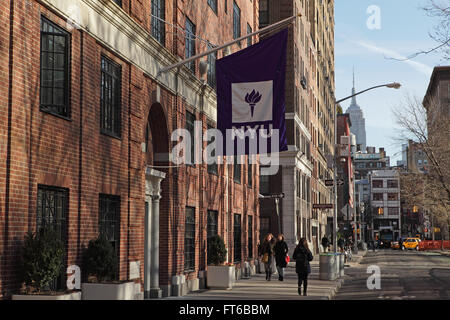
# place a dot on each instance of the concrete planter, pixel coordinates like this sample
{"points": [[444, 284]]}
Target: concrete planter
{"points": [[220, 277], [34, 297], [328, 266], [108, 291]]}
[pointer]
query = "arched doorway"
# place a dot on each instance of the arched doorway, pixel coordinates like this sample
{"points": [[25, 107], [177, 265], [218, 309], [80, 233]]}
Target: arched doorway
{"points": [[156, 187]]}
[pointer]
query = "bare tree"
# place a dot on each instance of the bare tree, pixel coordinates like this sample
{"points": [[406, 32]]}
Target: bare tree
{"points": [[439, 9], [430, 190]]}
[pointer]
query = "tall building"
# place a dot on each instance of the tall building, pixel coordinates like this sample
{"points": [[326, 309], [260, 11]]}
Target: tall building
{"points": [[310, 87], [345, 172], [85, 137], [370, 161], [358, 122], [385, 204], [437, 105]]}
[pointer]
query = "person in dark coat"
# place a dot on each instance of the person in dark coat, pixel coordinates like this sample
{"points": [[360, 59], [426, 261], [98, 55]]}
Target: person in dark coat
{"points": [[325, 243], [281, 250], [267, 250], [302, 256]]}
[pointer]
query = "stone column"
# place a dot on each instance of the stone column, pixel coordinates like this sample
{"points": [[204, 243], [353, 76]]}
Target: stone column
{"points": [[155, 291], [151, 255]]}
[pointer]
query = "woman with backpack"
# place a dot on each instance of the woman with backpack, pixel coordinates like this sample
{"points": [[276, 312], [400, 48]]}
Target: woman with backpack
{"points": [[267, 253], [302, 256], [281, 250]]}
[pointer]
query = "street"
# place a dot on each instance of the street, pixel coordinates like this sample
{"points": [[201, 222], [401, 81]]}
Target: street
{"points": [[405, 275]]}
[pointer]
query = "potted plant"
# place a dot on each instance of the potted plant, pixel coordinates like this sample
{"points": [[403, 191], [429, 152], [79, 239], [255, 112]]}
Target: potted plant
{"points": [[42, 263], [219, 275], [100, 268]]}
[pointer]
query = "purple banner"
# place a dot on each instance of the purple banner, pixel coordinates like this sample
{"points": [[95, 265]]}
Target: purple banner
{"points": [[251, 98]]}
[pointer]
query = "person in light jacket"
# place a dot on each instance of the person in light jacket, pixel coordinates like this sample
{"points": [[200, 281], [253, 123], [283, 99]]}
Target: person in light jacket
{"points": [[302, 256], [281, 250]]}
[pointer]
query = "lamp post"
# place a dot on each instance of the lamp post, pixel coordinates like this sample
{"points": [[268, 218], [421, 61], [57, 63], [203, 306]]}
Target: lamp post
{"points": [[393, 85]]}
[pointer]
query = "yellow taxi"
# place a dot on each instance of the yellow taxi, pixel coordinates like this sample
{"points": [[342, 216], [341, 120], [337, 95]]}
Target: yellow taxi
{"points": [[411, 243]]}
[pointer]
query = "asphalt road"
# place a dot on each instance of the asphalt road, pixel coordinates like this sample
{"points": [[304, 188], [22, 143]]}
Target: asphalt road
{"points": [[404, 275]]}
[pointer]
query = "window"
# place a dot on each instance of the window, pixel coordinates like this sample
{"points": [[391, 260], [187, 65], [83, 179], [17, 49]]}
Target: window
{"points": [[190, 119], [378, 164], [392, 184], [393, 211], [158, 15], [226, 6], [190, 44], [213, 5], [249, 173], [264, 181], [236, 21], [419, 162], [189, 239], [250, 237], [263, 13], [211, 78], [52, 212], [237, 170], [212, 228], [54, 68], [378, 197], [249, 39], [109, 220], [237, 237], [118, 2], [377, 183], [110, 97], [212, 168], [392, 196]]}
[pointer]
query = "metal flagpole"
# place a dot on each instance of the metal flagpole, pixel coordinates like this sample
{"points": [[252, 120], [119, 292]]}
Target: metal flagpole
{"points": [[268, 28]]}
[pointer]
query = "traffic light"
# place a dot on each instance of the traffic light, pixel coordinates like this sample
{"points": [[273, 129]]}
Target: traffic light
{"points": [[380, 211], [415, 209]]}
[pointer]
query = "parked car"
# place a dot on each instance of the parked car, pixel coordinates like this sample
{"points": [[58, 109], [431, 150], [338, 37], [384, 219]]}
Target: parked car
{"points": [[411, 243], [395, 245]]}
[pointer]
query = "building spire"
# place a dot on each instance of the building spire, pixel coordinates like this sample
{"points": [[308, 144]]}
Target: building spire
{"points": [[353, 89]]}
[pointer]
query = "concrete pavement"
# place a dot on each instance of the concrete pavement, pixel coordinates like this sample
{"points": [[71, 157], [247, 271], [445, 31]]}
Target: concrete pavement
{"points": [[257, 288]]}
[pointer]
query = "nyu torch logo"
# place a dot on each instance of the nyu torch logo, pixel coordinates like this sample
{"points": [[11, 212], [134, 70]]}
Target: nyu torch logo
{"points": [[252, 99]]}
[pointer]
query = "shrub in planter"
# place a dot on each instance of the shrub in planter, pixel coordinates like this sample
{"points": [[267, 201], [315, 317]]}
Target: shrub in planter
{"points": [[217, 252], [99, 260], [42, 259], [219, 275]]}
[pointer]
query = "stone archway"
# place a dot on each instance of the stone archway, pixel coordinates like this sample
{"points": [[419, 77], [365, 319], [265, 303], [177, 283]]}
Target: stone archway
{"points": [[156, 187]]}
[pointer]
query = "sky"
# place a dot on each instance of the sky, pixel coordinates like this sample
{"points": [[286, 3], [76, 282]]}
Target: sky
{"points": [[401, 30]]}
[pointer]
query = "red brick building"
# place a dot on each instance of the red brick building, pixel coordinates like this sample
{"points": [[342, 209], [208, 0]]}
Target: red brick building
{"points": [[85, 135]]}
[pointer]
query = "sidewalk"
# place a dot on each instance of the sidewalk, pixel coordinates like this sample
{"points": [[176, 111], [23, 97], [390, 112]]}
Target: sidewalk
{"points": [[257, 288]]}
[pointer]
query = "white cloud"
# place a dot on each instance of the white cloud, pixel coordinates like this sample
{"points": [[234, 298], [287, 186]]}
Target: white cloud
{"points": [[420, 67]]}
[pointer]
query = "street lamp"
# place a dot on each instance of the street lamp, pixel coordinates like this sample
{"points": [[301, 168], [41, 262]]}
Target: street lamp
{"points": [[392, 85]]}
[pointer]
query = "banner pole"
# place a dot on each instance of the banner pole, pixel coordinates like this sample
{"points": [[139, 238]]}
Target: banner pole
{"points": [[268, 28]]}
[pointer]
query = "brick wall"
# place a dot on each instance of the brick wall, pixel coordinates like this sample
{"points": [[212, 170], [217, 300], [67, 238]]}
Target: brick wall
{"points": [[40, 148]]}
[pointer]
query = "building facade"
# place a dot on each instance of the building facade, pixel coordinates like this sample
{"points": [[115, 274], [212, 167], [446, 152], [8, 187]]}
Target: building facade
{"points": [[86, 136], [385, 205], [309, 120]]}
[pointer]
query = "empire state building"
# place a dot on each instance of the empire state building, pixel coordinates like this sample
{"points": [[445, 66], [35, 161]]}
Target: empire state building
{"points": [[358, 127]]}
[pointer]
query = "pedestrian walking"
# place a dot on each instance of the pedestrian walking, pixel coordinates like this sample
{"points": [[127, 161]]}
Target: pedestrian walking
{"points": [[267, 251], [302, 256], [281, 250], [325, 243]]}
